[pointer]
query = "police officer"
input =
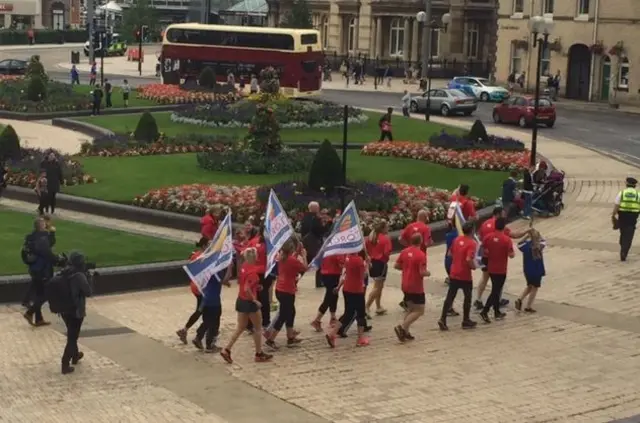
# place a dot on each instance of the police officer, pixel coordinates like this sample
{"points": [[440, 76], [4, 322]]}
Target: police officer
{"points": [[625, 215]]}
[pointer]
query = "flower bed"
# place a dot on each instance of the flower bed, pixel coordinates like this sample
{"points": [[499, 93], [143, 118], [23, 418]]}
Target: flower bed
{"points": [[460, 159], [25, 171], [123, 145], [59, 97], [457, 142], [173, 94], [237, 159], [398, 203], [289, 114]]}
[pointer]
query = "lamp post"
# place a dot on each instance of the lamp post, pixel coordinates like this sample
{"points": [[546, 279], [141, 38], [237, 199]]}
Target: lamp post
{"points": [[428, 25], [541, 28]]}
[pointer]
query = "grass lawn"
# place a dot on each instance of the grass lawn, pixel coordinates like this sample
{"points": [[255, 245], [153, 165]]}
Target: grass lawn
{"points": [[403, 129], [104, 246], [120, 179], [116, 96]]}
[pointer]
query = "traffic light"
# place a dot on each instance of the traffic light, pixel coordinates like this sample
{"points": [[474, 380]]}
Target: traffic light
{"points": [[143, 31]]}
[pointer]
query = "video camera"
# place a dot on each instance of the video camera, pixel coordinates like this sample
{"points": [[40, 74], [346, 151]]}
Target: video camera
{"points": [[88, 267]]}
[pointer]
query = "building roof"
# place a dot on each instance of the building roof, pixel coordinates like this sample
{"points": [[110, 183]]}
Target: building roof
{"points": [[249, 7]]}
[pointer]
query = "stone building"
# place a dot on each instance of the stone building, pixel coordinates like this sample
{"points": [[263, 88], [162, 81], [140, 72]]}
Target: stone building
{"points": [[591, 45], [388, 29]]}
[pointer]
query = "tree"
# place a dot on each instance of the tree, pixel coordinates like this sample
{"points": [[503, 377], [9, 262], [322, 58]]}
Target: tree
{"points": [[140, 13], [9, 145], [36, 69], [326, 170], [264, 132], [299, 16], [147, 129], [270, 81]]}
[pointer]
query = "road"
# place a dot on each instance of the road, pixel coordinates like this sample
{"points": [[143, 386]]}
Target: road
{"points": [[611, 132]]}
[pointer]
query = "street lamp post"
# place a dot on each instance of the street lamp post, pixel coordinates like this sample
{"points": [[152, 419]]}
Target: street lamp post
{"points": [[540, 30], [429, 25]]}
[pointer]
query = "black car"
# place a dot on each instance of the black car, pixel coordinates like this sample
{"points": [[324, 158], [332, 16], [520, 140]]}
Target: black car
{"points": [[13, 67]]}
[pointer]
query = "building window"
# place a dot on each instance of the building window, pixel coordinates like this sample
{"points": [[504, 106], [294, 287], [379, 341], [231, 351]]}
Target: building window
{"points": [[57, 19], [623, 74], [435, 42], [396, 37], [473, 40], [583, 7], [516, 59], [351, 40], [325, 32], [547, 6], [545, 63], [518, 6]]}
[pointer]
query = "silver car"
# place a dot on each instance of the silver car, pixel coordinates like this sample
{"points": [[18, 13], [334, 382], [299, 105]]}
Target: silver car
{"points": [[445, 101]]}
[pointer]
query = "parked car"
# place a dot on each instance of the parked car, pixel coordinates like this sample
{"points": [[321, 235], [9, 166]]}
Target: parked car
{"points": [[445, 101], [519, 109], [13, 67], [482, 88], [116, 47]]}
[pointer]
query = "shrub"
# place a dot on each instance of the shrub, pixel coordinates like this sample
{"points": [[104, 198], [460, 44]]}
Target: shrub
{"points": [[264, 133], [124, 145], [269, 81], [37, 89], [478, 132], [9, 145], [456, 142], [326, 170], [238, 160], [147, 129], [35, 69], [207, 78]]}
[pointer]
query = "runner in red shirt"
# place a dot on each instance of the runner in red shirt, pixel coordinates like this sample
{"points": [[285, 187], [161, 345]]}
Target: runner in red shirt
{"points": [[291, 263], [378, 248], [412, 261], [485, 229], [209, 224], [352, 284], [467, 205], [330, 271], [248, 306], [182, 333], [264, 295], [463, 254], [419, 226], [498, 247]]}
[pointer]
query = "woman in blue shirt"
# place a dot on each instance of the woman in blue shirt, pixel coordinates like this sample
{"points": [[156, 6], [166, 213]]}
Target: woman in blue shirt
{"points": [[533, 266]]}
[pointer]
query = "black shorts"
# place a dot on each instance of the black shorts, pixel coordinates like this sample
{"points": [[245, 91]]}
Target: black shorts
{"points": [[125, 96], [246, 306], [417, 299], [378, 269], [485, 263], [330, 281], [534, 281]]}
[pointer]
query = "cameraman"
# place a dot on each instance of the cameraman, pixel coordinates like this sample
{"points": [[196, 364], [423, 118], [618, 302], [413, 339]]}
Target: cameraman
{"points": [[40, 269], [77, 274]]}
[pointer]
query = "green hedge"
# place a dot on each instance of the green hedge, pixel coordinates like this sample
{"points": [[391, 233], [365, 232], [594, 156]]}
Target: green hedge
{"points": [[44, 36]]}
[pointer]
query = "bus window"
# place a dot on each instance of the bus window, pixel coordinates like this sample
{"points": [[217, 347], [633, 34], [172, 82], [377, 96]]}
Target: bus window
{"points": [[309, 66], [306, 39], [231, 39]]}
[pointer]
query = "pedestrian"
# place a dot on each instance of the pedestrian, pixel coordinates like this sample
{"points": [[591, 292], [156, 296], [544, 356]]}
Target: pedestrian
{"points": [[463, 256], [32, 36], [107, 93], [80, 290], [97, 100], [509, 187], [625, 215], [511, 80], [467, 205], [521, 79], [406, 103], [55, 178], [201, 245], [259, 244], [75, 75], [51, 231], [253, 84], [314, 227], [421, 227], [533, 266], [498, 248], [330, 271], [40, 259], [126, 91], [248, 307], [352, 284], [385, 125], [412, 262], [209, 223], [378, 248], [211, 306], [291, 264], [42, 193], [93, 72]]}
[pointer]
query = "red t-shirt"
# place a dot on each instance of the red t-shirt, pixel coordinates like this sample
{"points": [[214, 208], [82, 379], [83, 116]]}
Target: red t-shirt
{"points": [[467, 206], [489, 226], [413, 262], [462, 250], [248, 277], [194, 289], [354, 271], [288, 271], [332, 265], [381, 250], [261, 249], [208, 226], [497, 248], [417, 227]]}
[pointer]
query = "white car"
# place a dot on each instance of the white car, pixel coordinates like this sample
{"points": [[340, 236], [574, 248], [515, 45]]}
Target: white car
{"points": [[481, 88]]}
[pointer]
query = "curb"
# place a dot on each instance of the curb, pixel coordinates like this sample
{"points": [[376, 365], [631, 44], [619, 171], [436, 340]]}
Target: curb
{"points": [[5, 114], [85, 128]]}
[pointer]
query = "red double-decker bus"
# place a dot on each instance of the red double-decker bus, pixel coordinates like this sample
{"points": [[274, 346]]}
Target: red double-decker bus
{"points": [[295, 53]]}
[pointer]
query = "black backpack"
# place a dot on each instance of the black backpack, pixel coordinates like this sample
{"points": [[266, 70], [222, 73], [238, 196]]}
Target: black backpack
{"points": [[27, 253], [58, 293]]}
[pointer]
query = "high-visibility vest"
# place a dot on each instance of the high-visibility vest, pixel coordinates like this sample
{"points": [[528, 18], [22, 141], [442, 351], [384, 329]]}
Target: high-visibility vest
{"points": [[629, 200]]}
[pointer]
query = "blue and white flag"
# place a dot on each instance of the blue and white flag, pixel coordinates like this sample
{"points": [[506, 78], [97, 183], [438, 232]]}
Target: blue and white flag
{"points": [[217, 257], [277, 230], [345, 237]]}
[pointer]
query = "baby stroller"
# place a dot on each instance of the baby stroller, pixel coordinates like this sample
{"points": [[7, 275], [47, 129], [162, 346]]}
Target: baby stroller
{"points": [[547, 197]]}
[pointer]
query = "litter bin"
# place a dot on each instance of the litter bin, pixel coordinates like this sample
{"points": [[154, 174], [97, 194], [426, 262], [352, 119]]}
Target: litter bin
{"points": [[75, 57]]}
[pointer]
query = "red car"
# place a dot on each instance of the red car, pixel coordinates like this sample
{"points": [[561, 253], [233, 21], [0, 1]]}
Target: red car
{"points": [[519, 109]]}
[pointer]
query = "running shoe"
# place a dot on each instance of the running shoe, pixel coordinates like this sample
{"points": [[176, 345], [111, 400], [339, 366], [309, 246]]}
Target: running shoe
{"points": [[408, 336], [198, 344], [271, 344], [443, 325], [331, 340], [262, 357], [452, 313], [469, 324], [182, 335], [518, 304], [212, 349], [363, 341], [530, 310], [400, 333], [316, 325], [485, 317], [77, 358], [479, 305], [504, 302], [499, 315], [226, 354], [381, 312], [293, 342], [367, 316], [368, 328]]}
